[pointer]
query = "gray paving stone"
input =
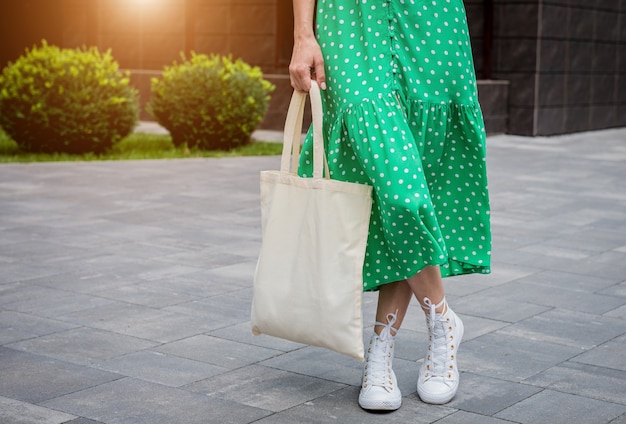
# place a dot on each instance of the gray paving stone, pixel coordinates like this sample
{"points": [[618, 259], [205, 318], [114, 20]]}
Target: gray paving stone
{"points": [[196, 284], [243, 333], [146, 294], [213, 350], [607, 355], [615, 290], [157, 367], [617, 312], [241, 274], [584, 380], [496, 308], [85, 346], [55, 303], [342, 407], [409, 345], [137, 401], [265, 388], [16, 326], [575, 329], [478, 326], [511, 358], [487, 396], [319, 363], [15, 412], [86, 282], [143, 235], [139, 321], [218, 311], [33, 378], [619, 420], [564, 408], [571, 281], [463, 417], [556, 297]]}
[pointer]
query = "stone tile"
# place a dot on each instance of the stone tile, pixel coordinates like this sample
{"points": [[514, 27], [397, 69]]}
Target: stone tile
{"points": [[207, 258], [478, 326], [575, 329], [617, 313], [84, 346], [157, 367], [219, 311], [556, 297], [140, 321], [213, 350], [564, 408], [54, 303], [511, 358], [462, 417], [241, 274], [243, 333], [496, 308], [16, 412], [86, 282], [265, 388], [146, 294], [34, 379], [16, 326], [486, 396], [138, 401], [342, 406], [583, 380], [607, 355], [167, 271], [320, 363]]}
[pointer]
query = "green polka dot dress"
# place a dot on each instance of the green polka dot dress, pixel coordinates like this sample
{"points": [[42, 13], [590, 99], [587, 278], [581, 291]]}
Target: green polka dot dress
{"points": [[401, 114]]}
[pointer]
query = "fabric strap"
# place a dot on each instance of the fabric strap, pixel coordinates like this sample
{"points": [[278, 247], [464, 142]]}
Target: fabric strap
{"points": [[292, 134]]}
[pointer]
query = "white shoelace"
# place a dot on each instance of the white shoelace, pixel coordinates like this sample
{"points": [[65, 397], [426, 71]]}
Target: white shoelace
{"points": [[380, 355], [439, 357]]}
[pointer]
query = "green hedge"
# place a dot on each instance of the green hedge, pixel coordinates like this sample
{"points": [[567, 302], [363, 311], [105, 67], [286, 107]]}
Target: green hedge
{"points": [[66, 100], [210, 102]]}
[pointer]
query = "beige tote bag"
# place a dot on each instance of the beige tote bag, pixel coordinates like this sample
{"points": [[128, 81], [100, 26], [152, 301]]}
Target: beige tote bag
{"points": [[308, 283]]}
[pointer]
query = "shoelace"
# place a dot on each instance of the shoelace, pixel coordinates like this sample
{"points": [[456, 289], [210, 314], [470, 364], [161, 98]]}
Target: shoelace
{"points": [[380, 354], [438, 354]]}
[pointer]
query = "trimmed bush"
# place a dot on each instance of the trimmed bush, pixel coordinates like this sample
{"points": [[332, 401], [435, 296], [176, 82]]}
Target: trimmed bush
{"points": [[66, 100], [210, 102]]}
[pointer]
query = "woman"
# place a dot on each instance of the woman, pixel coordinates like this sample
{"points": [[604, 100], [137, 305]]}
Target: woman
{"points": [[401, 114]]}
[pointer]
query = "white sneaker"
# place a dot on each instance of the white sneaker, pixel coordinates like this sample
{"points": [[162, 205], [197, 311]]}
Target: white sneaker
{"points": [[379, 388], [438, 379]]}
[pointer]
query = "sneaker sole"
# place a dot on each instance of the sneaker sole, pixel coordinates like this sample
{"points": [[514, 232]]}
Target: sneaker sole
{"points": [[380, 405]]}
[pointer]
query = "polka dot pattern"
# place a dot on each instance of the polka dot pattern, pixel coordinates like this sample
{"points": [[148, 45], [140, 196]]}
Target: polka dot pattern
{"points": [[402, 115]]}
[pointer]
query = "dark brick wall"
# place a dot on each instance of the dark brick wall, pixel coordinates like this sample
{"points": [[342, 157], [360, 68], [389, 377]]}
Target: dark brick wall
{"points": [[566, 62]]}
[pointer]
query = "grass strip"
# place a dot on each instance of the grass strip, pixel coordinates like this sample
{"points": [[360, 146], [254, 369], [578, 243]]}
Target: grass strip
{"points": [[136, 146]]}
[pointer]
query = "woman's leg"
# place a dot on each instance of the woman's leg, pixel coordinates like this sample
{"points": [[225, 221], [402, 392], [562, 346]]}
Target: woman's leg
{"points": [[393, 298], [428, 284]]}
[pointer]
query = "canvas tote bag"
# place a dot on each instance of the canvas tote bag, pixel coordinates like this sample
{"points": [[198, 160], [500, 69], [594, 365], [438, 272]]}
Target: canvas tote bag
{"points": [[308, 282]]}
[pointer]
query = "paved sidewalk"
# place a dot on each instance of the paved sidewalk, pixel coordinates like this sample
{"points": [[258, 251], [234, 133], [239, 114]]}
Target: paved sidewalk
{"points": [[125, 290]]}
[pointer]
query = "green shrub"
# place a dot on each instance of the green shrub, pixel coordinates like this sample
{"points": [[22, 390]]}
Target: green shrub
{"points": [[66, 100], [210, 102]]}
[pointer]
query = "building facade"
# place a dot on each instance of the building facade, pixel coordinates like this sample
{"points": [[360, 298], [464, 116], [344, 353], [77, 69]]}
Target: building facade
{"points": [[544, 66]]}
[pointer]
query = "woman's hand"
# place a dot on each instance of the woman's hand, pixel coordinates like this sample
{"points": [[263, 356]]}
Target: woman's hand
{"points": [[307, 63]]}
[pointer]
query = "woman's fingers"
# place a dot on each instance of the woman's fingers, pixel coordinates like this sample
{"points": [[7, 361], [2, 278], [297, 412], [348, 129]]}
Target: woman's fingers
{"points": [[306, 63]]}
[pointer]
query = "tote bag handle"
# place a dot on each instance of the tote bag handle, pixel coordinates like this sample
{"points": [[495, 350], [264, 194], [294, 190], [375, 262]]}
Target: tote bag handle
{"points": [[293, 127]]}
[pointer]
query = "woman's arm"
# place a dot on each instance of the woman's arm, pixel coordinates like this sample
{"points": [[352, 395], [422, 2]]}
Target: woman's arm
{"points": [[306, 60]]}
